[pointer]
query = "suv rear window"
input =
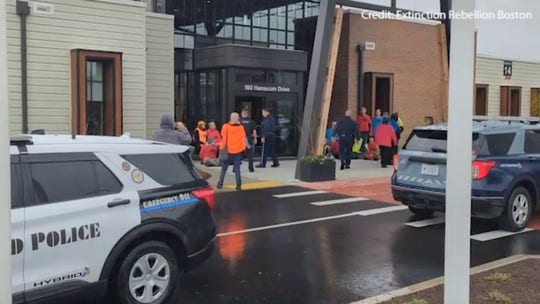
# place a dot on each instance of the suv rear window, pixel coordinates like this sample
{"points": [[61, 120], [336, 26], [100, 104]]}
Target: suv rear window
{"points": [[166, 169], [436, 141]]}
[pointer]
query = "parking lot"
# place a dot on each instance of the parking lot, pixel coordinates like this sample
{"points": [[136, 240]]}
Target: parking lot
{"points": [[296, 245]]}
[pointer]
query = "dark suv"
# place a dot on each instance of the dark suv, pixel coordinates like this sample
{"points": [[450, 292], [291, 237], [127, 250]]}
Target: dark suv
{"points": [[506, 170]]}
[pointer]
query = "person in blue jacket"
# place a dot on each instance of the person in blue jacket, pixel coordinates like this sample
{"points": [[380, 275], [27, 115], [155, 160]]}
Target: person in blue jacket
{"points": [[330, 132], [268, 138], [376, 121]]}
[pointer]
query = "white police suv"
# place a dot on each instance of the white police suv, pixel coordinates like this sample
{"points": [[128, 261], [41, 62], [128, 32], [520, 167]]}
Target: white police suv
{"points": [[105, 216]]}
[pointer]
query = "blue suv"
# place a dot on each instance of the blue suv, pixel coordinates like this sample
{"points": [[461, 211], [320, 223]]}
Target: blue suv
{"points": [[506, 170]]}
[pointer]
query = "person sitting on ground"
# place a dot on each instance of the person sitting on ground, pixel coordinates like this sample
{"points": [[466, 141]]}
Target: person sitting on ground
{"points": [[209, 154], [372, 150], [168, 134], [213, 132], [330, 132]]}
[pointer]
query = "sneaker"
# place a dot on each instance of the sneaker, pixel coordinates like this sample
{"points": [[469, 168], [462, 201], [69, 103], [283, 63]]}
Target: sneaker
{"points": [[238, 188], [219, 186], [347, 167], [275, 165], [251, 170], [342, 167], [260, 166]]}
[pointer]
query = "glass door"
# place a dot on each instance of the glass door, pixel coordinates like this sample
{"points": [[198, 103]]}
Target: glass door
{"points": [[285, 109]]}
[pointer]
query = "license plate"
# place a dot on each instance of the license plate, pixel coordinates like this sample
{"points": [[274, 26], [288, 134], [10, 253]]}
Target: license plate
{"points": [[432, 170]]}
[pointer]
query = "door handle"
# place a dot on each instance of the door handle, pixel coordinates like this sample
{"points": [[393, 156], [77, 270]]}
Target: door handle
{"points": [[118, 203], [532, 158]]}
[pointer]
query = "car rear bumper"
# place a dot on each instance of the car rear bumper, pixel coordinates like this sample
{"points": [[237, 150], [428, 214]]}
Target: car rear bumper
{"points": [[481, 207], [200, 256]]}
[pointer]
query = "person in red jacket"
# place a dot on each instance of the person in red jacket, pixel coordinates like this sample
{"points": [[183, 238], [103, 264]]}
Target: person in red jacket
{"points": [[213, 132], [386, 139], [364, 126], [209, 153]]}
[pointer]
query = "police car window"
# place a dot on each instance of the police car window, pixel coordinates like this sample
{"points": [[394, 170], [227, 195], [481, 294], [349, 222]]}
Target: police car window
{"points": [[499, 144], [107, 183], [62, 181], [16, 190], [532, 142], [166, 169]]}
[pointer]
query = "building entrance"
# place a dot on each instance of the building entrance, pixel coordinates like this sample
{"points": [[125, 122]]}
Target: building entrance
{"points": [[285, 109]]}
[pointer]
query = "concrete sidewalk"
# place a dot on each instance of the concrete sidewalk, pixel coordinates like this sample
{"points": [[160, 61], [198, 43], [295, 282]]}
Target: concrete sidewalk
{"points": [[363, 174]]}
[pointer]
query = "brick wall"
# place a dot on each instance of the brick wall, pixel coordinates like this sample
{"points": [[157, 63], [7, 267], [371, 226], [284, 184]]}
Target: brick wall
{"points": [[412, 52]]}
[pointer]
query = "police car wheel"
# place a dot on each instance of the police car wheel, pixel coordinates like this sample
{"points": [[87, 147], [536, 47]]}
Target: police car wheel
{"points": [[148, 274], [518, 210]]}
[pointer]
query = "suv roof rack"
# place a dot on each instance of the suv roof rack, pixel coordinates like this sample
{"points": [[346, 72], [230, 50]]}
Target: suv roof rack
{"points": [[509, 119], [20, 140]]}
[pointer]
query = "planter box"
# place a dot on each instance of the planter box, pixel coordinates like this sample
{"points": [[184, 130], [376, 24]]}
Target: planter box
{"points": [[316, 172]]}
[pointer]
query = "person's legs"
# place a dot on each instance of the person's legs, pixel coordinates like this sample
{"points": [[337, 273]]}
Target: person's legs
{"points": [[273, 153], [365, 137], [237, 159], [224, 168], [348, 143], [384, 155], [249, 153], [342, 152], [264, 155]]}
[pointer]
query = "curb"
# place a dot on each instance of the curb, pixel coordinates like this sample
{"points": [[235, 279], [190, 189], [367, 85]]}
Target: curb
{"points": [[440, 280]]}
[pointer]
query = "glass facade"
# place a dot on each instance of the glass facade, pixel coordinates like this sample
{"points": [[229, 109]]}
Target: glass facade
{"points": [[266, 23], [210, 94]]}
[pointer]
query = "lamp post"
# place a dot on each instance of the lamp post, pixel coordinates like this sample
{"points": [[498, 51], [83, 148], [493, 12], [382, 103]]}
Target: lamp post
{"points": [[5, 205], [459, 168]]}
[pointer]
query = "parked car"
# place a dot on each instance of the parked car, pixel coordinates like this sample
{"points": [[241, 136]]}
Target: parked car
{"points": [[102, 215], [506, 170]]}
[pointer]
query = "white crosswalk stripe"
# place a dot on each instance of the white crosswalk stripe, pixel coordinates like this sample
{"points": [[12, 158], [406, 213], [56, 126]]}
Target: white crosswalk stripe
{"points": [[426, 223], [340, 201], [297, 194], [497, 234], [382, 210]]}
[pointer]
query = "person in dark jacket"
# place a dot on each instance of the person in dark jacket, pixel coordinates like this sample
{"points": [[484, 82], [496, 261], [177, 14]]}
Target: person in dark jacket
{"points": [[168, 133], [346, 131], [251, 136], [268, 138]]}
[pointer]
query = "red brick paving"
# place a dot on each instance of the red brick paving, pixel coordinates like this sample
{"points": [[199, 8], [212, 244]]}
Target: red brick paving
{"points": [[377, 189]]}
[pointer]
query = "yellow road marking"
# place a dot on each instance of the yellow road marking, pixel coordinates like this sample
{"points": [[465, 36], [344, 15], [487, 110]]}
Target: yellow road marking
{"points": [[256, 185]]}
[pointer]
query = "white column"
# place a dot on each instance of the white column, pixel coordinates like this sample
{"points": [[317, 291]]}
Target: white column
{"points": [[459, 167], [5, 200]]}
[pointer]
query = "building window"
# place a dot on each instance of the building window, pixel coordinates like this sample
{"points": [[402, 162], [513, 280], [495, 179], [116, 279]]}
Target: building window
{"points": [[510, 101], [160, 6], [96, 82], [481, 100], [95, 111], [535, 102]]}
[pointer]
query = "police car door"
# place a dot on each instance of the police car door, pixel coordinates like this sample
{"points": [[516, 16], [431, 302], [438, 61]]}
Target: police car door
{"points": [[80, 210], [17, 228]]}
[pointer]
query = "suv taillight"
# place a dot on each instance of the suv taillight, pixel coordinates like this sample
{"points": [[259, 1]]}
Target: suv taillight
{"points": [[396, 162], [208, 195], [481, 169]]}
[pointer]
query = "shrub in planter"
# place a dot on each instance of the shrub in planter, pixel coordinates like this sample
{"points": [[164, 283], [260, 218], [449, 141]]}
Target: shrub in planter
{"points": [[317, 169]]}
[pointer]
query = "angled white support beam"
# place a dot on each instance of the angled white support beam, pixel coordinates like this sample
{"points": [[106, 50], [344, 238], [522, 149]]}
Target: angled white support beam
{"points": [[459, 168]]}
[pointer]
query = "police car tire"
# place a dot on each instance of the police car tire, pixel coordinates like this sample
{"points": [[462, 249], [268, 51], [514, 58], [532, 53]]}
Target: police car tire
{"points": [[123, 293], [506, 220]]}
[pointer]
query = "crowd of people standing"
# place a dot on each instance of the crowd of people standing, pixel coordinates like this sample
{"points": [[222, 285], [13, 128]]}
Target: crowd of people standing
{"points": [[373, 138]]}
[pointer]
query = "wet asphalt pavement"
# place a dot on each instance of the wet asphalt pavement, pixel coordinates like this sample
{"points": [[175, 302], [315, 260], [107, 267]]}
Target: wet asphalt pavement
{"points": [[338, 260]]}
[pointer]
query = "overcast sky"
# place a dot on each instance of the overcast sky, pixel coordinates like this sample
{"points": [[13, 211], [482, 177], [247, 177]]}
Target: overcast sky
{"points": [[512, 39]]}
